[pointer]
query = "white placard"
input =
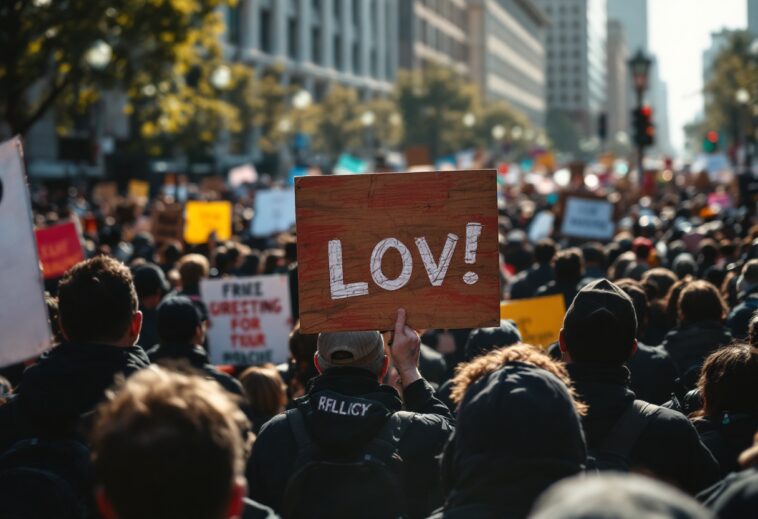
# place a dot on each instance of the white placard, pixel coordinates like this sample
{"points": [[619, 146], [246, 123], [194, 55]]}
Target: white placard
{"points": [[586, 218], [274, 212], [542, 226], [250, 319], [23, 313]]}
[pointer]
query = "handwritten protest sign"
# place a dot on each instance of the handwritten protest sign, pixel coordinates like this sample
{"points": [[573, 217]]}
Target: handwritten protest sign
{"points": [[105, 192], [167, 223], [23, 313], [203, 218], [539, 319], [274, 212], [588, 218], [139, 189], [60, 248], [250, 319], [370, 244]]}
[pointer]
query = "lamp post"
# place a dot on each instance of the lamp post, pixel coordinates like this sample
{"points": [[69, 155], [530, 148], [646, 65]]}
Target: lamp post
{"points": [[639, 65], [368, 118]]}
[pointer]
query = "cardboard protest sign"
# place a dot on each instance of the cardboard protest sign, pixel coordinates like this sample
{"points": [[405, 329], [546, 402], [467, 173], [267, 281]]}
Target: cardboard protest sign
{"points": [[23, 313], [60, 248], [105, 192], [139, 189], [167, 223], [274, 212], [588, 218], [244, 174], [250, 319], [370, 244], [212, 184], [539, 319], [203, 218]]}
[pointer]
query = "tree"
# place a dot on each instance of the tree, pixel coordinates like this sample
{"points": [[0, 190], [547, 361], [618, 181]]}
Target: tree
{"points": [[432, 102], [387, 129], [336, 121], [162, 53], [501, 113]]}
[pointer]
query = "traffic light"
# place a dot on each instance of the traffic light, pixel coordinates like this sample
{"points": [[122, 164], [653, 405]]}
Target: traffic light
{"points": [[711, 142], [644, 130]]}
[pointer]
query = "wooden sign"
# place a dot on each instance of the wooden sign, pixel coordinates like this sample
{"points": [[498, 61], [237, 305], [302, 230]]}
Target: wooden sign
{"points": [[60, 248], [370, 244], [167, 223], [538, 319]]}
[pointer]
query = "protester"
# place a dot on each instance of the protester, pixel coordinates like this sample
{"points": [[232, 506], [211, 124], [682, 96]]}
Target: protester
{"points": [[265, 392], [597, 338], [747, 289], [657, 284], [736, 496], [616, 496], [170, 445], [700, 332], [348, 416], [301, 368], [151, 285], [493, 468], [728, 387], [569, 271], [526, 283], [192, 269], [101, 323], [181, 333]]}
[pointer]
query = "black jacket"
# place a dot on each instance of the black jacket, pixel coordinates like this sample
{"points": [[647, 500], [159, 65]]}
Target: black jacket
{"points": [[669, 445], [275, 450], [688, 345], [567, 289], [66, 383], [198, 359], [526, 284], [739, 318], [734, 497], [727, 437], [432, 365], [653, 374]]}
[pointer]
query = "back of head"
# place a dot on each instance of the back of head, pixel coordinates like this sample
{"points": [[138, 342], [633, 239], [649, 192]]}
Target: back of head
{"points": [[548, 445], [149, 280], [192, 268], [700, 301], [748, 280], [569, 265], [639, 299], [616, 496], [544, 251], [594, 254], [482, 340], [170, 446], [600, 326], [177, 320], [657, 282], [363, 350], [684, 265], [729, 381], [96, 301], [642, 248], [264, 389]]}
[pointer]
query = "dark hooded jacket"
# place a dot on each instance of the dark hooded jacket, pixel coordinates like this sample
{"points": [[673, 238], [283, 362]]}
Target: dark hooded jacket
{"points": [[198, 359], [66, 383], [735, 496], [493, 469], [275, 450], [526, 283], [739, 318], [727, 437], [669, 445], [689, 344]]}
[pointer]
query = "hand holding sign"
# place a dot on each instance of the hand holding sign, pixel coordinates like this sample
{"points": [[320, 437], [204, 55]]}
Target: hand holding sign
{"points": [[405, 349]]}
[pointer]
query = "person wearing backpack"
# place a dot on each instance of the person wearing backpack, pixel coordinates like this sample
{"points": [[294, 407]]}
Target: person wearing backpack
{"points": [[348, 449], [624, 433]]}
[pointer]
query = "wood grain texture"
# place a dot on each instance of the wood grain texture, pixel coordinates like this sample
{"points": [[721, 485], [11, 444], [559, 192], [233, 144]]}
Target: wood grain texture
{"points": [[361, 211]]}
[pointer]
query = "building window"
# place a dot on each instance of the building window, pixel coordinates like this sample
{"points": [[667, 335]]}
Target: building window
{"points": [[356, 13], [356, 59], [292, 39], [336, 9], [233, 22], [337, 52], [374, 63], [316, 6], [316, 44], [265, 31]]}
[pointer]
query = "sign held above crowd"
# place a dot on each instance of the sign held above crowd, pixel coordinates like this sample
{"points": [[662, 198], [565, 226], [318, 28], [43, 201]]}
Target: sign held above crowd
{"points": [[60, 248], [370, 244]]}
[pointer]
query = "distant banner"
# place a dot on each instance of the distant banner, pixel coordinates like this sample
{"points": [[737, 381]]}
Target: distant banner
{"points": [[588, 218], [274, 212], [204, 218], [167, 223], [244, 174], [539, 319], [23, 313], [60, 248], [139, 189], [350, 165], [105, 192], [250, 319]]}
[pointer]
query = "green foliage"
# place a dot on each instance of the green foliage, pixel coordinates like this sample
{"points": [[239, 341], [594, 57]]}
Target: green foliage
{"points": [[337, 124]]}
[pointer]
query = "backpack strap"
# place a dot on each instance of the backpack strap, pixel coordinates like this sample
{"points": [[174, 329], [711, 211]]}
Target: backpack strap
{"points": [[628, 428], [386, 443], [306, 447]]}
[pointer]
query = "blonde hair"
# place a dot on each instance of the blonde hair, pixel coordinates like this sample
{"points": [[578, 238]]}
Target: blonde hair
{"points": [[192, 268], [469, 372]]}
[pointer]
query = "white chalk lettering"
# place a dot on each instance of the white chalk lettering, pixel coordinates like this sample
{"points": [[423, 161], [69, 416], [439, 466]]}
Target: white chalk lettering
{"points": [[337, 286], [437, 270], [376, 264]]}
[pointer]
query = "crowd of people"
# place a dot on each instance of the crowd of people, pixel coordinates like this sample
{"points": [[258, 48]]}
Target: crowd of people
{"points": [[646, 404]]}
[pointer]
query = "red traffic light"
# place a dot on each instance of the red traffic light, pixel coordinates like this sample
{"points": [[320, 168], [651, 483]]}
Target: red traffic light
{"points": [[712, 136], [647, 111]]}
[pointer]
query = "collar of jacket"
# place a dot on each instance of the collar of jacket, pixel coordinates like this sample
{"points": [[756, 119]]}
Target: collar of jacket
{"points": [[354, 382], [194, 354], [98, 352]]}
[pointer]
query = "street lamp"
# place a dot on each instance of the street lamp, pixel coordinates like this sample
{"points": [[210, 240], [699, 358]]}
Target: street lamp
{"points": [[98, 55], [469, 120], [498, 132], [302, 99], [368, 118], [742, 96], [639, 65], [221, 77]]}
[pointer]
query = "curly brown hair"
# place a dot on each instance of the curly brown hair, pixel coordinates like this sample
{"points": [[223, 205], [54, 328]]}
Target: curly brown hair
{"points": [[468, 373]]}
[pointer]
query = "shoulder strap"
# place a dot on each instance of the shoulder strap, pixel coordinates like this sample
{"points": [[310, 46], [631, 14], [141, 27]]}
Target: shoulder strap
{"points": [[386, 444], [628, 428], [305, 445]]}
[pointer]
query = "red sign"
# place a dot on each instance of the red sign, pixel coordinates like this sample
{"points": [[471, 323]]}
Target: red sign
{"points": [[370, 244], [59, 249]]}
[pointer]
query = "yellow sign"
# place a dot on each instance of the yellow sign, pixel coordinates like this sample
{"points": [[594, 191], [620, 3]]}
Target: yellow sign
{"points": [[139, 188], [539, 319], [204, 218]]}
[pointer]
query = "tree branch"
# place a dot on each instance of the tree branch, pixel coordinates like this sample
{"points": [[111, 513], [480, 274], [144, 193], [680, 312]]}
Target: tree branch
{"points": [[24, 126]]}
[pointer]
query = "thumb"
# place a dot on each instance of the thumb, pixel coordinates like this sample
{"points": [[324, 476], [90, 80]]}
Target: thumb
{"points": [[400, 322]]}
